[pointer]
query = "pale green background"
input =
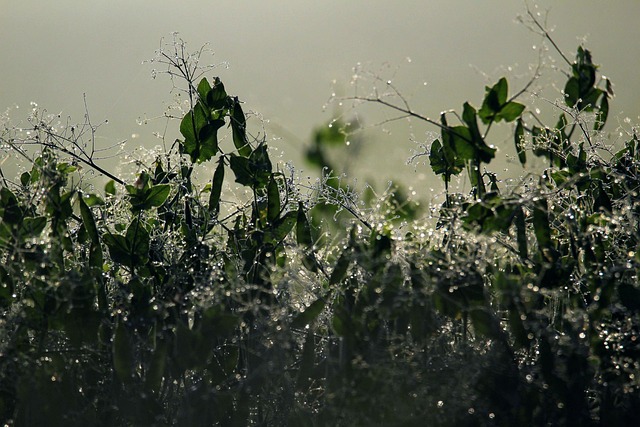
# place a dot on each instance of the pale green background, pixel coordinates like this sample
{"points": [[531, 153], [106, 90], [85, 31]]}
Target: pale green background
{"points": [[284, 55]]}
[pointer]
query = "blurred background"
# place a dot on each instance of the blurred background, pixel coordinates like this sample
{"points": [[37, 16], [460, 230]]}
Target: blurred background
{"points": [[285, 59]]}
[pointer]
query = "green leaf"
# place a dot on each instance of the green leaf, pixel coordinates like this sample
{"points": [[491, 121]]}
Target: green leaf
{"points": [[273, 200], [88, 221], [145, 198], [521, 232], [138, 239], [203, 89], [309, 315], [572, 92], [33, 226], [303, 229], [541, 225], [110, 187], [123, 359], [239, 129], [510, 111], [155, 373], [216, 98], [342, 266], [304, 239], [462, 143], [629, 296], [241, 168], [158, 194], [281, 227], [485, 323], [208, 137], [307, 361], [494, 99], [603, 113], [190, 127], [9, 208], [25, 178], [216, 188], [118, 248], [519, 141]]}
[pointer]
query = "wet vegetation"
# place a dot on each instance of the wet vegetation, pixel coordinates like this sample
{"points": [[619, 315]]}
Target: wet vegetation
{"points": [[248, 298]]}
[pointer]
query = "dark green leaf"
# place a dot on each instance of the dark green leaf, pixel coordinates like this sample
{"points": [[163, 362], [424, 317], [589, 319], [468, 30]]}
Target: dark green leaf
{"points": [[216, 189], [521, 233], [240, 167], [9, 208], [123, 359], [281, 227], [307, 362], [33, 226], [519, 141], [273, 200], [158, 194], [510, 111], [629, 296], [208, 137], [88, 221], [541, 225], [203, 89], [239, 128], [572, 92], [485, 323], [217, 97], [25, 178], [303, 229], [341, 268], [118, 248], [603, 112], [309, 315], [156, 370], [110, 187]]}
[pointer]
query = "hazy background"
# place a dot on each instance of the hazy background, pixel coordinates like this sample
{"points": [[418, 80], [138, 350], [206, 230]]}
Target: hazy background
{"points": [[286, 57]]}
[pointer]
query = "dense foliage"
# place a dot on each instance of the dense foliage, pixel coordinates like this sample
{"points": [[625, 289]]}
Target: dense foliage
{"points": [[166, 302]]}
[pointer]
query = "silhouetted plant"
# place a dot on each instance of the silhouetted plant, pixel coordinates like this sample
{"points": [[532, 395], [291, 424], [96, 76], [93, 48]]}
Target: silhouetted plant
{"points": [[163, 301]]}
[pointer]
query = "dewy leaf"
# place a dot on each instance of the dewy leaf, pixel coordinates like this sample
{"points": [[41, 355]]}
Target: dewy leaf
{"points": [[208, 137], [470, 118], [138, 239], [157, 194], [122, 354], [462, 143], [310, 314], [240, 167], [217, 96], [203, 89], [510, 111], [281, 227], [519, 141], [273, 200], [341, 268], [216, 189], [303, 229], [541, 225], [88, 221], [33, 226], [629, 296], [494, 100], [603, 112], [190, 127], [239, 128], [572, 92], [437, 159], [110, 187]]}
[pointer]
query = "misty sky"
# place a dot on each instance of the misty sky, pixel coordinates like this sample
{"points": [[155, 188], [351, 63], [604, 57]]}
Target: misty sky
{"points": [[283, 57]]}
